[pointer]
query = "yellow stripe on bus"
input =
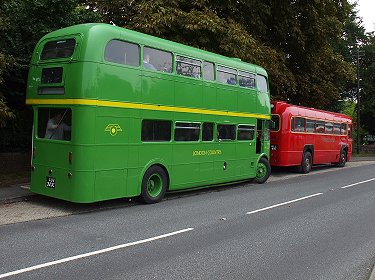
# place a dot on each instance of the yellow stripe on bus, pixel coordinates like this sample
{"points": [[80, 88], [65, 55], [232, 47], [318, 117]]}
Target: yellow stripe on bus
{"points": [[129, 105]]}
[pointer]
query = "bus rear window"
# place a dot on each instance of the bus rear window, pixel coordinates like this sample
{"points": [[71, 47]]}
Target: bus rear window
{"points": [[58, 49], [54, 123]]}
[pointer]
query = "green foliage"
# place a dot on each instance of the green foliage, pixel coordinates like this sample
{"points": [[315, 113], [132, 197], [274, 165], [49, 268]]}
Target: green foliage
{"points": [[5, 112], [213, 26], [22, 24], [367, 85]]}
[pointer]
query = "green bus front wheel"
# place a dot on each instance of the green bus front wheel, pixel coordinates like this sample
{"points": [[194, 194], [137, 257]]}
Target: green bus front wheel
{"points": [[263, 171]]}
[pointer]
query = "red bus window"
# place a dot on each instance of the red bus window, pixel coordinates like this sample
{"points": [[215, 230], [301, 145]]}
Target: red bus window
{"points": [[299, 125], [275, 122], [310, 126], [343, 129], [329, 127], [336, 128], [350, 131], [320, 127]]}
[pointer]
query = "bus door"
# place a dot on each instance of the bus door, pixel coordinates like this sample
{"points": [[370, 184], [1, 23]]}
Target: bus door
{"points": [[263, 139]]}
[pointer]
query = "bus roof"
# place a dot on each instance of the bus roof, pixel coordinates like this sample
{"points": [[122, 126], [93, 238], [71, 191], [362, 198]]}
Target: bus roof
{"points": [[99, 34], [281, 107]]}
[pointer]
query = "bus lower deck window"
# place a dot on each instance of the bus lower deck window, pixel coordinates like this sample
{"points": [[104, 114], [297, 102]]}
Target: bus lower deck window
{"points": [[226, 132], [54, 123], [156, 131], [207, 132], [245, 132], [186, 131]]}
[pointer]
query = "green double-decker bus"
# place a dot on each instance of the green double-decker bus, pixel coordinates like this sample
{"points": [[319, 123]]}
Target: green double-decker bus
{"points": [[118, 113]]}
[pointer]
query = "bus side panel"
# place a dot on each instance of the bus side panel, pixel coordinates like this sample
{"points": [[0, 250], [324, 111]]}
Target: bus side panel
{"points": [[209, 95], [262, 103], [185, 166], [110, 184], [322, 149], [226, 162], [247, 158], [246, 100], [296, 145], [188, 92], [113, 86], [227, 97], [117, 139], [157, 88]]}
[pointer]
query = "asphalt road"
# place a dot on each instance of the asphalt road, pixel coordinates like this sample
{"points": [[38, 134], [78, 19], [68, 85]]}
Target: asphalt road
{"points": [[320, 226]]}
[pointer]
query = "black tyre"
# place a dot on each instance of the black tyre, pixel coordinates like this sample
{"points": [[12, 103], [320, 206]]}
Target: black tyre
{"points": [[263, 171], [154, 185], [342, 160], [306, 163]]}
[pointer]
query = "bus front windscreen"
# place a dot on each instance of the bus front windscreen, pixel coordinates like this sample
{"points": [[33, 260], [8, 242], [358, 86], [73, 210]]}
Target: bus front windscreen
{"points": [[275, 123]]}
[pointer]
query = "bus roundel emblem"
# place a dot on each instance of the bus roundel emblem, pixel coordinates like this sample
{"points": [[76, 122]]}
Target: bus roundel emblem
{"points": [[113, 129]]}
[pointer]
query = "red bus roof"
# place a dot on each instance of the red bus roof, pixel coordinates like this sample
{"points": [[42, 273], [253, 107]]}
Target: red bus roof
{"points": [[281, 107]]}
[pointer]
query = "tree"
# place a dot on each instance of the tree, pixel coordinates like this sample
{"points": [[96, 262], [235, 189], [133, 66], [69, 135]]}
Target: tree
{"points": [[22, 24], [207, 25], [367, 85], [6, 62]]}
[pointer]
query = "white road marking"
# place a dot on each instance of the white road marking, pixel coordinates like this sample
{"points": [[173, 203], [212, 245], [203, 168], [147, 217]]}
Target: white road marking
{"points": [[284, 203], [351, 185], [31, 268]]}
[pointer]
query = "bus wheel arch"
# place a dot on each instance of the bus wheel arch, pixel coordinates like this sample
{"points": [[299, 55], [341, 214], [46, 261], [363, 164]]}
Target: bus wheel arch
{"points": [[263, 170], [307, 159], [155, 183]]}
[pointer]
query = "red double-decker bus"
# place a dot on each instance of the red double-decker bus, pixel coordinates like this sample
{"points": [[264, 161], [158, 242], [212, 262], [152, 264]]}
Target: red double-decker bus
{"points": [[305, 136]]}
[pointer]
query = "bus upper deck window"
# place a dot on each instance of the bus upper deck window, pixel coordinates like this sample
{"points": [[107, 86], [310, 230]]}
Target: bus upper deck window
{"points": [[262, 83], [246, 79], [58, 49], [226, 75], [157, 60], [208, 71], [188, 67], [122, 52]]}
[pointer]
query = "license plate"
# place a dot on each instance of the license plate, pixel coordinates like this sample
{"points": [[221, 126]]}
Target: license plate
{"points": [[50, 182]]}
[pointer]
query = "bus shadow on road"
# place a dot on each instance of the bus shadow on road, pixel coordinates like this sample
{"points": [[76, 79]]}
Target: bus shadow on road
{"points": [[70, 208]]}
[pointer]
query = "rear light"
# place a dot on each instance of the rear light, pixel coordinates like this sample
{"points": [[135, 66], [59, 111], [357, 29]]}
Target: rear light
{"points": [[70, 157], [273, 147]]}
